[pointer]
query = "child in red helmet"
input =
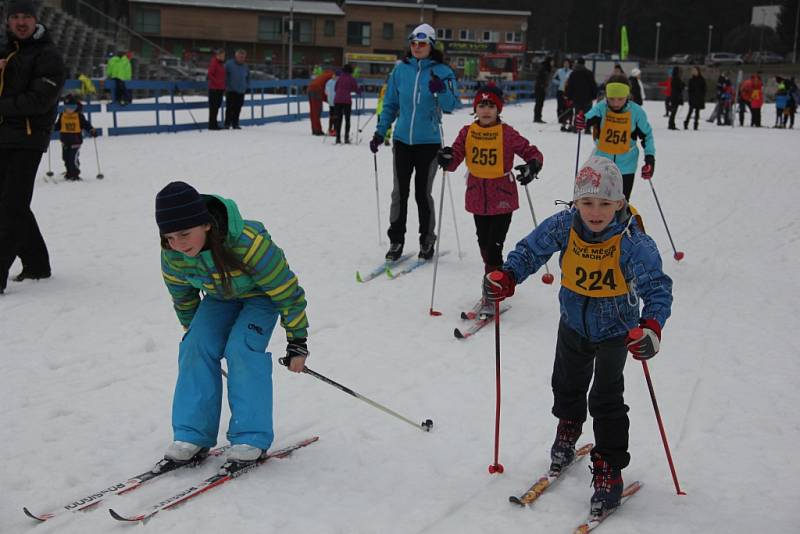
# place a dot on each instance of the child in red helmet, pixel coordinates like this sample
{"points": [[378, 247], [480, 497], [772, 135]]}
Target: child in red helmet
{"points": [[488, 145]]}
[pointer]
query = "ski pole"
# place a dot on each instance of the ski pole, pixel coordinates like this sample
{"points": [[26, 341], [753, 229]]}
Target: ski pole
{"points": [[547, 277], [358, 121], [496, 467], [377, 197], [578, 153], [180, 94], [426, 425], [453, 208], [49, 172], [677, 254], [100, 175], [367, 122], [635, 334], [431, 311]]}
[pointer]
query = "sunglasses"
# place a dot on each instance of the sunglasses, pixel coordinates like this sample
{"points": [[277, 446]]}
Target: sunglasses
{"points": [[419, 44]]}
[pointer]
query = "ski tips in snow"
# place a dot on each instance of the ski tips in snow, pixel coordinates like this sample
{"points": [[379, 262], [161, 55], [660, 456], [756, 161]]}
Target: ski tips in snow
{"points": [[43, 517], [594, 520], [548, 479]]}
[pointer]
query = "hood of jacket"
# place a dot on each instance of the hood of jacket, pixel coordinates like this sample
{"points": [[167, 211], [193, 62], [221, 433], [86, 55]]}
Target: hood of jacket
{"points": [[226, 213]]}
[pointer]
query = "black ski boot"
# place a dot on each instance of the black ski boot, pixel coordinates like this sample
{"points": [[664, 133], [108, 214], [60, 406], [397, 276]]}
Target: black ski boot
{"points": [[395, 251], [608, 485], [426, 250], [563, 450]]}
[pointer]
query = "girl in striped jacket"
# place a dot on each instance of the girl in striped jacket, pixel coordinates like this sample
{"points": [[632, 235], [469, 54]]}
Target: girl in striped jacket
{"points": [[208, 247]]}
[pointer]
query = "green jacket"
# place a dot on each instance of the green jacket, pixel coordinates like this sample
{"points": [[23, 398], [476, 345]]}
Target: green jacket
{"points": [[112, 66], [268, 274]]}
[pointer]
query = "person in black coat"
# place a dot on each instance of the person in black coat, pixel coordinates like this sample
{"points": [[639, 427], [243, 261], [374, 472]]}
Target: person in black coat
{"points": [[637, 90], [540, 87], [581, 88], [33, 73], [697, 97], [676, 96]]}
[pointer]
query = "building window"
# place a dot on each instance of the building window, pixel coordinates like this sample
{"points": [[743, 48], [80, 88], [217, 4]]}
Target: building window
{"points": [[444, 33], [466, 35], [488, 36], [358, 33], [388, 30], [513, 37], [147, 20], [269, 28], [330, 28], [460, 62], [302, 31]]}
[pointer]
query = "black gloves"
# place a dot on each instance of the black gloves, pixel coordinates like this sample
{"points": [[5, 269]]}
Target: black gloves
{"points": [[295, 348], [375, 143], [528, 172], [445, 156]]}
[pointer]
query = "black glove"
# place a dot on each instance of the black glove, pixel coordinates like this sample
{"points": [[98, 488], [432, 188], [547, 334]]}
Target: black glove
{"points": [[445, 155], [294, 349], [375, 143], [649, 167], [528, 172]]}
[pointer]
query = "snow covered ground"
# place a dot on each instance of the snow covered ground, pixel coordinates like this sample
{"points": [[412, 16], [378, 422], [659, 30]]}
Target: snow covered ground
{"points": [[89, 357]]}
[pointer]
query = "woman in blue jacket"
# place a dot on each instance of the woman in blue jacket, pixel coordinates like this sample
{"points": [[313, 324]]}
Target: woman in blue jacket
{"points": [[420, 88]]}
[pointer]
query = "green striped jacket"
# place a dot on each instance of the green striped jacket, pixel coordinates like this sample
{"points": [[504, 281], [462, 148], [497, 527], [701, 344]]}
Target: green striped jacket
{"points": [[268, 272]]}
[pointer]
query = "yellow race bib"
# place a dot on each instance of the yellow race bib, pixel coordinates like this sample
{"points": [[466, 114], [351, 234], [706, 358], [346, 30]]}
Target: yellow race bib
{"points": [[615, 133], [592, 269], [484, 149], [70, 123]]}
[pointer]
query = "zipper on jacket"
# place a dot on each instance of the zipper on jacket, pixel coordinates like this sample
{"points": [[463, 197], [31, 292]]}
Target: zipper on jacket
{"points": [[414, 98], [28, 125]]}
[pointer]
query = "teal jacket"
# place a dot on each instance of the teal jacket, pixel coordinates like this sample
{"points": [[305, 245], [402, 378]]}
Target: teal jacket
{"points": [[267, 274], [640, 129]]}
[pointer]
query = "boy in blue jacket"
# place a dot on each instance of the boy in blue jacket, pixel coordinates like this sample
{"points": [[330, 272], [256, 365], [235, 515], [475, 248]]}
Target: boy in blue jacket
{"points": [[70, 124], [608, 264], [616, 123]]}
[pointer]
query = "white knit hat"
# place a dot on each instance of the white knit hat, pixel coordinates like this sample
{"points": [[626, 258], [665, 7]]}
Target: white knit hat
{"points": [[423, 32], [600, 178]]}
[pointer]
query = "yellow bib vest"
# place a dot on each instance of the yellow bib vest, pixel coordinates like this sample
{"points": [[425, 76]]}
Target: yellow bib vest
{"points": [[70, 123], [615, 133], [592, 269], [484, 151]]}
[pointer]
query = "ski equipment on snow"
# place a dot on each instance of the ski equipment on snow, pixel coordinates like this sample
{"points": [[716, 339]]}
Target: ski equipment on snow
{"points": [[594, 520], [479, 323], [412, 267], [381, 269], [548, 479]]}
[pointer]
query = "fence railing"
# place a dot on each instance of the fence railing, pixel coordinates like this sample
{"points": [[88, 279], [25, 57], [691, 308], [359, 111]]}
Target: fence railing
{"points": [[266, 101]]}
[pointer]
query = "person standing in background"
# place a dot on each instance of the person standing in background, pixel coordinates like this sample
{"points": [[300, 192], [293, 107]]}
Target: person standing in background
{"points": [[697, 97], [316, 95], [237, 80], [637, 89], [216, 87], [540, 88], [675, 96], [345, 85], [560, 79]]}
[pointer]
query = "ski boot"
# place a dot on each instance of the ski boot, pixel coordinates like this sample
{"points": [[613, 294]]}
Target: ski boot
{"points": [[183, 452], [395, 251], [608, 486], [562, 453], [244, 454]]}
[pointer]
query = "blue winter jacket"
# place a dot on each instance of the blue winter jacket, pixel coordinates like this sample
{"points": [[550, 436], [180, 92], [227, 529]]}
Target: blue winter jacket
{"points": [[237, 76], [640, 129], [602, 318], [408, 96]]}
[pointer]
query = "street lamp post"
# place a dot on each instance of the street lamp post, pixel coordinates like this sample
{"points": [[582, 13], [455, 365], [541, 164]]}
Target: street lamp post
{"points": [[599, 38], [658, 35], [796, 20], [421, 11], [710, 29]]}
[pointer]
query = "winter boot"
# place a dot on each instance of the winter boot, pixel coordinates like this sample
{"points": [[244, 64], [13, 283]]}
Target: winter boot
{"points": [[695, 125], [244, 454], [563, 450], [25, 275], [686, 125], [426, 250], [608, 485], [184, 452], [395, 251]]}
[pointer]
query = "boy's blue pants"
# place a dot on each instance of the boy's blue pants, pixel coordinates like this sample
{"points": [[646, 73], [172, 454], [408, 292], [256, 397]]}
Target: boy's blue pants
{"points": [[238, 330]]}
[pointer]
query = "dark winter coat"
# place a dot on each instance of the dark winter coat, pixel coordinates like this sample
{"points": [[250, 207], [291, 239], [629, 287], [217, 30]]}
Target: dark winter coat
{"points": [[29, 89], [581, 87], [636, 90], [697, 92], [676, 86], [543, 76], [493, 196]]}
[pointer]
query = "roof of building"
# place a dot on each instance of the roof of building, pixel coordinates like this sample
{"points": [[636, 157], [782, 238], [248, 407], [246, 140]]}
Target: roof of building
{"points": [[441, 8], [300, 6]]}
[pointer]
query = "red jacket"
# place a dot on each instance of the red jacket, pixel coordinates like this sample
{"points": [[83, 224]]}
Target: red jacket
{"points": [[216, 74], [494, 196], [757, 94]]}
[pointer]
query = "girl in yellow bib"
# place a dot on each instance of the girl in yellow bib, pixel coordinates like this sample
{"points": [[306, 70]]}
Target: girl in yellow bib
{"points": [[488, 146], [616, 124], [608, 265]]}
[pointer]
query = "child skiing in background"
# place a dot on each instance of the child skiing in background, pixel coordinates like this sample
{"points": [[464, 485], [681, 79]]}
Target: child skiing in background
{"points": [[207, 246], [608, 263], [616, 124], [489, 147], [70, 124]]}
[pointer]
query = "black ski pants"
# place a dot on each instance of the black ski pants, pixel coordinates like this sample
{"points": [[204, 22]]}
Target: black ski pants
{"points": [[539, 94], [214, 103], [233, 107], [19, 233], [70, 153], [419, 160], [491, 231], [627, 184], [342, 113], [577, 359]]}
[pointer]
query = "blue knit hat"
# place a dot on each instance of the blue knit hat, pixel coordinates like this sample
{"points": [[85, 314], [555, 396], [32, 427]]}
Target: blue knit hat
{"points": [[179, 206]]}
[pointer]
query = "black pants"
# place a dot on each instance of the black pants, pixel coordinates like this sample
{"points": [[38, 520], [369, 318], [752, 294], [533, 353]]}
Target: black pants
{"points": [[69, 153], [120, 92], [755, 116], [743, 106], [627, 184], [421, 161], [214, 103], [673, 109], [564, 113], [233, 107], [342, 112], [537, 107], [491, 231], [696, 112], [19, 233], [577, 359]]}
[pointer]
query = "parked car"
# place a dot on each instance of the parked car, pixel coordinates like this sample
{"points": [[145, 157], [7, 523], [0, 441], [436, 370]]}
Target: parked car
{"points": [[723, 58], [765, 57], [685, 59]]}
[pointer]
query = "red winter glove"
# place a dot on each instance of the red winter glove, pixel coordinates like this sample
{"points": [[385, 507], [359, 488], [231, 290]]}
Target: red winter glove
{"points": [[499, 285], [580, 121], [644, 341], [649, 167]]}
